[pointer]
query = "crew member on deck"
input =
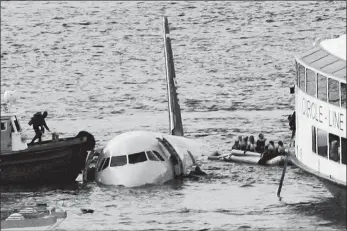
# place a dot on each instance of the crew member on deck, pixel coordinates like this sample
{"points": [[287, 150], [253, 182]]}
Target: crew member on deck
{"points": [[39, 125], [292, 126]]}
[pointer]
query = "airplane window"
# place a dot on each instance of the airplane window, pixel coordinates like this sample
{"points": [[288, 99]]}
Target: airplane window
{"points": [[158, 155], [3, 126], [105, 165], [137, 158], [151, 156], [118, 161], [101, 164]]}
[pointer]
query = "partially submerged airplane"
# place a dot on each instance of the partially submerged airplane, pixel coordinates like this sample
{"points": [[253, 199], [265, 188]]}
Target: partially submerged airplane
{"points": [[138, 158]]}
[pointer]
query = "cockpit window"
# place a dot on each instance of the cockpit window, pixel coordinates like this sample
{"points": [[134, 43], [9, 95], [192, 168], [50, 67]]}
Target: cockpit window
{"points": [[137, 158], [118, 161], [151, 156], [158, 155], [105, 165], [3, 126], [101, 164]]}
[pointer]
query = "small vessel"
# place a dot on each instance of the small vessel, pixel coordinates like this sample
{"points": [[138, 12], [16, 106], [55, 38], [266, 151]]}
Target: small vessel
{"points": [[320, 107], [32, 217], [247, 157], [56, 160]]}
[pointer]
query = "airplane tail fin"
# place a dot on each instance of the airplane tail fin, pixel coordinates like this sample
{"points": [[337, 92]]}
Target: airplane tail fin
{"points": [[176, 127]]}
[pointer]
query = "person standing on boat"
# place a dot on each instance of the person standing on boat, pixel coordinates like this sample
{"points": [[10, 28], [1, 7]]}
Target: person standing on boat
{"points": [[39, 125]]}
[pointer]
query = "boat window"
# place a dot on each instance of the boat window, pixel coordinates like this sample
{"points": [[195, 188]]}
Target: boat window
{"points": [[3, 126], [344, 150], [322, 87], [334, 148], [137, 158], [314, 143], [118, 161], [343, 95], [333, 92], [151, 156], [158, 155], [311, 82], [302, 77], [101, 164], [322, 142]]}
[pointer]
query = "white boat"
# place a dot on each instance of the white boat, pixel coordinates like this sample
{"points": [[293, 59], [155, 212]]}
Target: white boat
{"points": [[247, 157], [320, 106]]}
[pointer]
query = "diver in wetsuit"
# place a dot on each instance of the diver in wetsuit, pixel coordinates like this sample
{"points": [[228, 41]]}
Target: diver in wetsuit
{"points": [[39, 125]]}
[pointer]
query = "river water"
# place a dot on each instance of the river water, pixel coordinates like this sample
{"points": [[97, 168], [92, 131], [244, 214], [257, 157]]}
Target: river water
{"points": [[99, 66]]}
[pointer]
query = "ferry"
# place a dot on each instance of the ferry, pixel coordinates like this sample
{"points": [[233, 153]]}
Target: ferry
{"points": [[320, 114]]}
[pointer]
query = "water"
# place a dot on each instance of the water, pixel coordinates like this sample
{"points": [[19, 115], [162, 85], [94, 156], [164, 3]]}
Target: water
{"points": [[99, 66]]}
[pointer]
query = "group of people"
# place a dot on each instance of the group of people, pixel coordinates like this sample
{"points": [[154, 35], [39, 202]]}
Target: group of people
{"points": [[268, 151]]}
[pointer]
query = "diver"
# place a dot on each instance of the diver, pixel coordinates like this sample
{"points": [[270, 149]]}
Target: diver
{"points": [[260, 146], [39, 125]]}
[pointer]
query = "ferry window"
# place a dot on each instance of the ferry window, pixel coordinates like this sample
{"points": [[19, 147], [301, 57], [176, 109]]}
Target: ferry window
{"points": [[105, 165], [151, 156], [333, 92], [311, 82], [322, 142], [322, 87], [118, 161], [158, 155], [344, 150], [101, 164], [334, 147], [3, 126], [137, 158], [314, 143], [343, 95], [302, 77]]}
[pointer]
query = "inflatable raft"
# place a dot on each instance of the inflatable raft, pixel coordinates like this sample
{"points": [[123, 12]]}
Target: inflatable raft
{"points": [[249, 157]]}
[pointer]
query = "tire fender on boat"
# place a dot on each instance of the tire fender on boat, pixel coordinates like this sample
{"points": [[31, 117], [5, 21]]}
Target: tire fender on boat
{"points": [[90, 144]]}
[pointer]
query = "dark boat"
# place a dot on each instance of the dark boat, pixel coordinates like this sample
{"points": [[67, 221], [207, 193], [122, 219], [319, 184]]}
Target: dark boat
{"points": [[59, 160]]}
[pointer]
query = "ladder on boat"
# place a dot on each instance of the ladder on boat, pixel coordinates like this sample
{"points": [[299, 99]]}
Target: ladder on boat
{"points": [[174, 157]]}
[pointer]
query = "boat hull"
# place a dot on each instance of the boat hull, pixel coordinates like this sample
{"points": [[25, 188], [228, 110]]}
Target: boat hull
{"points": [[50, 162], [336, 188]]}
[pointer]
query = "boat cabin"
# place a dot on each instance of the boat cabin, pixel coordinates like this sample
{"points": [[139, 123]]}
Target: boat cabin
{"points": [[11, 134], [320, 105]]}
